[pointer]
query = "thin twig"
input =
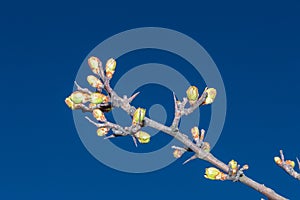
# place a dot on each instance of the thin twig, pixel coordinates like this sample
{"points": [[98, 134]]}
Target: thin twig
{"points": [[287, 167]]}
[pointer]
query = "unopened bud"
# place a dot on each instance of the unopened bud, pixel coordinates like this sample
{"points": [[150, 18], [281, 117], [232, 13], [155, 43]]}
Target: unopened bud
{"points": [[95, 64], [277, 160], [195, 133], [98, 98], [77, 97], [211, 95], [143, 137], [290, 163], [211, 173], [192, 94], [102, 131], [99, 115], [94, 81], [110, 67], [70, 103], [138, 116]]}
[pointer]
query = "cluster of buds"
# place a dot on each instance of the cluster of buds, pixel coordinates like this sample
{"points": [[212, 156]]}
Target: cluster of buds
{"points": [[233, 174], [199, 139], [279, 162], [139, 116], [192, 94], [96, 66], [213, 173], [143, 137]]}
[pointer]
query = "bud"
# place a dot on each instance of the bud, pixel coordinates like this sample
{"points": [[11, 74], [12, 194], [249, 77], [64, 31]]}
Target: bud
{"points": [[98, 98], [277, 160], [233, 164], [70, 103], [177, 153], [245, 167], [192, 94], [110, 67], [206, 146], [290, 163], [143, 137], [211, 173], [195, 133], [211, 95], [102, 131], [77, 97], [202, 134], [99, 115], [94, 81], [95, 64], [138, 116]]}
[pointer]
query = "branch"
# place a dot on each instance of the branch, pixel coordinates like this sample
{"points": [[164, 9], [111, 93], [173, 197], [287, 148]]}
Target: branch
{"points": [[234, 172], [117, 129], [287, 165], [201, 154], [180, 109]]}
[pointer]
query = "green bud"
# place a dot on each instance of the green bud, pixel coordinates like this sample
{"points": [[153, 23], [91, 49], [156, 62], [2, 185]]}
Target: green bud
{"points": [[143, 137], [192, 93], [77, 97], [97, 98], [95, 64], [211, 173], [94, 81], [211, 95], [102, 131], [138, 116]]}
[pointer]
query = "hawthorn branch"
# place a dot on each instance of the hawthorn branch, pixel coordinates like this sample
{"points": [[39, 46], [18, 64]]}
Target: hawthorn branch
{"points": [[125, 104], [183, 138]]}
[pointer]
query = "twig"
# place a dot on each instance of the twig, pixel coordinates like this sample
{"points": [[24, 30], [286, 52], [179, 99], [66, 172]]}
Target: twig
{"points": [[287, 165], [83, 90]]}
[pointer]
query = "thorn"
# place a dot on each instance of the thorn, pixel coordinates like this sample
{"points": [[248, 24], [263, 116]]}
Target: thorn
{"points": [[190, 159], [109, 137], [133, 97], [202, 135], [134, 140], [91, 121]]}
